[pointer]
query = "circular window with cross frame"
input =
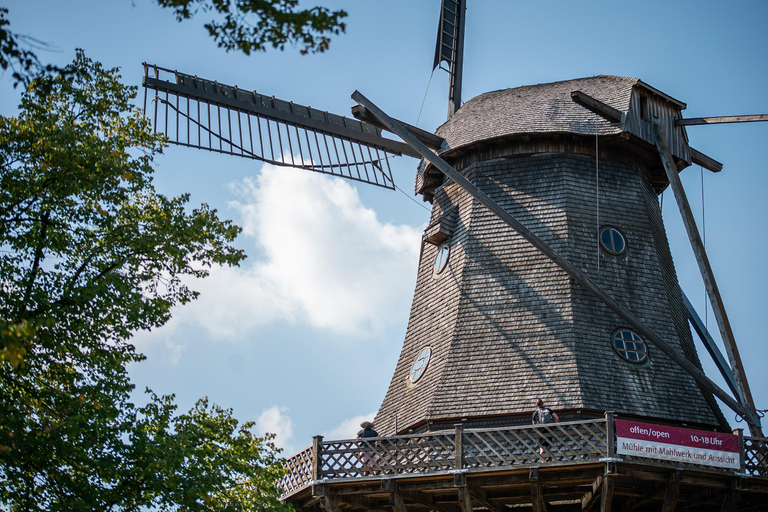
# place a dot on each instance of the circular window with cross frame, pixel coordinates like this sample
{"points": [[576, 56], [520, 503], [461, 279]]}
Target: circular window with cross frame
{"points": [[630, 346], [419, 365]]}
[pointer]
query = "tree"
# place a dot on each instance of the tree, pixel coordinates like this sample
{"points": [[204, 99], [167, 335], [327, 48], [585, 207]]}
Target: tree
{"points": [[91, 253], [244, 25]]}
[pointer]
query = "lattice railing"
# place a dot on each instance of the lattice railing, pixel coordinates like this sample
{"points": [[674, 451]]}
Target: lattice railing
{"points": [[299, 474], [423, 453], [559, 442], [756, 456]]}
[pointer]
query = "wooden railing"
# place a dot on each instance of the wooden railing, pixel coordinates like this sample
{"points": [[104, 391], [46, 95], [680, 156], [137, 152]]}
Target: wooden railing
{"points": [[473, 449], [756, 456]]}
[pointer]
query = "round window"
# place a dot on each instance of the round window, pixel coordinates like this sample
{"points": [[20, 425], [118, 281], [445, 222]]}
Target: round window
{"points": [[441, 260], [420, 364], [630, 346], [612, 240]]}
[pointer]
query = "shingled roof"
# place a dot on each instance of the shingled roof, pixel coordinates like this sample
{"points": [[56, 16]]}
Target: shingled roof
{"points": [[542, 108]]}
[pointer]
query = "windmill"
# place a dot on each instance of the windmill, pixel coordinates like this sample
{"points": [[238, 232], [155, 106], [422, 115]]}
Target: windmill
{"points": [[545, 269]]}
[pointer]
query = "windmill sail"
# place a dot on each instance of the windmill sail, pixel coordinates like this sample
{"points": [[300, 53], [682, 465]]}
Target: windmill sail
{"points": [[450, 48], [205, 114]]}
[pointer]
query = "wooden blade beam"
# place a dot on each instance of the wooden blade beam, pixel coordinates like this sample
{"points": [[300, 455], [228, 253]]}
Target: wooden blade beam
{"points": [[710, 164], [598, 107], [450, 48], [710, 284], [564, 264], [695, 121], [429, 139]]}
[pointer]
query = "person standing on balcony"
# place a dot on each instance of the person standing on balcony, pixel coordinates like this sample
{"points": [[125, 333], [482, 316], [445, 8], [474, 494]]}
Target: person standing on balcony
{"points": [[367, 457], [541, 416]]}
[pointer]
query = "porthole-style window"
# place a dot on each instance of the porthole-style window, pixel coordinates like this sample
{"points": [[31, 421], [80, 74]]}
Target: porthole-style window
{"points": [[630, 346], [612, 240], [441, 260], [420, 364]]}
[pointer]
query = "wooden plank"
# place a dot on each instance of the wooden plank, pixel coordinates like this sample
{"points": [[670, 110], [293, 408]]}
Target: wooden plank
{"points": [[570, 269], [694, 121], [421, 498], [710, 164], [598, 107], [745, 396]]}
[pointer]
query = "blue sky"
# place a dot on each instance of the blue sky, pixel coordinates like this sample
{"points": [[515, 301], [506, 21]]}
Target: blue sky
{"points": [[304, 336]]}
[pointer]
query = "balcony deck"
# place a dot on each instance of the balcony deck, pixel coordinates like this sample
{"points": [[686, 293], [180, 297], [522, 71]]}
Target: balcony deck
{"points": [[498, 469]]}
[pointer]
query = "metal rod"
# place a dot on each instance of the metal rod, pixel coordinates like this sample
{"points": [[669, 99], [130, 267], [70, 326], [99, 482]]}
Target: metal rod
{"points": [[564, 264]]}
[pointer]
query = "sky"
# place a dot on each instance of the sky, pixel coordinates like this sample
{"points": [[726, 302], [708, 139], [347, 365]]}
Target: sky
{"points": [[303, 337]]}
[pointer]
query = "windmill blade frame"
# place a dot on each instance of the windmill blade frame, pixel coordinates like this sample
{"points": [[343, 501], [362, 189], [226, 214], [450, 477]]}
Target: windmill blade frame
{"points": [[205, 114]]}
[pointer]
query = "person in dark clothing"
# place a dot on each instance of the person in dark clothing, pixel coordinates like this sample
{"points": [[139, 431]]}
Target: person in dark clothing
{"points": [[367, 430], [368, 456], [541, 416]]}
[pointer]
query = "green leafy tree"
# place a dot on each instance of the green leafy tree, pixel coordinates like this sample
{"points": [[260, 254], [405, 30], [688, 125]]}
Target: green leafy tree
{"points": [[243, 25], [89, 254]]}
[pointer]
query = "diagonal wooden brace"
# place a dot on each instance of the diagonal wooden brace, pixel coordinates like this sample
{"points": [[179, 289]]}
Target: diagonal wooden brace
{"points": [[744, 394]]}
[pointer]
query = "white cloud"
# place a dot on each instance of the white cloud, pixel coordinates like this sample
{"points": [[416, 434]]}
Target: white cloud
{"points": [[275, 420], [318, 256], [348, 428]]}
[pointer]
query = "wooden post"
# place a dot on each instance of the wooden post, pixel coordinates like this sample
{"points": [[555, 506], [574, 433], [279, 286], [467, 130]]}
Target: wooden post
{"points": [[538, 503], [672, 492], [606, 494], [610, 441], [742, 450], [317, 443], [459, 462], [744, 395]]}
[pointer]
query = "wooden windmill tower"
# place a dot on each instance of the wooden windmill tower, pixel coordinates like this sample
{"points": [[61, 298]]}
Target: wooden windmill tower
{"points": [[545, 272]]}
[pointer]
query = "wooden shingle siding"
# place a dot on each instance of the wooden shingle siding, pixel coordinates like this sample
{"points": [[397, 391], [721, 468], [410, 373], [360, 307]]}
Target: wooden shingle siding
{"points": [[507, 326]]}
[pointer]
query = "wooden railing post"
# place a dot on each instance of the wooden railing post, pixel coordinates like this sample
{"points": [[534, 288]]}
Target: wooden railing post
{"points": [[459, 462], [610, 441], [742, 450], [317, 446]]}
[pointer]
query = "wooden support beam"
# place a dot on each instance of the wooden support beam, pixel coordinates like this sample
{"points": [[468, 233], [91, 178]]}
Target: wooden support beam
{"points": [[650, 493], [731, 501], [590, 497], [421, 498], [564, 264], [396, 500], [598, 107], [694, 121], [330, 505], [465, 500], [672, 492], [710, 164], [538, 503], [745, 396], [606, 493], [479, 495], [362, 502]]}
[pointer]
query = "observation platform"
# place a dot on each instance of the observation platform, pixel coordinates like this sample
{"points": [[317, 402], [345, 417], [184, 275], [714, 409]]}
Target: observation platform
{"points": [[501, 470]]}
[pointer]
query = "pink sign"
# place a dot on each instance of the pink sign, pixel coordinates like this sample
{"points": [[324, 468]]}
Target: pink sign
{"points": [[679, 444]]}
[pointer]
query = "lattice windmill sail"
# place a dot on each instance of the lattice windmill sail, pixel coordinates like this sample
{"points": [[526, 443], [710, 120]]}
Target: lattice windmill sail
{"points": [[538, 276], [205, 114]]}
